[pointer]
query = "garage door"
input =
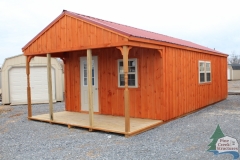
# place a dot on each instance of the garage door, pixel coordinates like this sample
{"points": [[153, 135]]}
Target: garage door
{"points": [[38, 82]]}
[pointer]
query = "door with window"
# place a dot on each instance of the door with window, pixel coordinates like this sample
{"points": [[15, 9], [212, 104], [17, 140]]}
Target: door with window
{"points": [[84, 84]]}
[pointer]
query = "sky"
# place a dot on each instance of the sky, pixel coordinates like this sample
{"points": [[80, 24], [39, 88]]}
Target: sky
{"points": [[211, 23]]}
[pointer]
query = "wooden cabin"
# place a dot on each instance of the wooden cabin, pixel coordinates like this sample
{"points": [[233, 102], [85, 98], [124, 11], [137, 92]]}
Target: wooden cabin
{"points": [[139, 78]]}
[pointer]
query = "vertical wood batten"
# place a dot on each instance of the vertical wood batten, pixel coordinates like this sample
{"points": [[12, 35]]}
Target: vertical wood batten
{"points": [[28, 87], [90, 94], [49, 86]]}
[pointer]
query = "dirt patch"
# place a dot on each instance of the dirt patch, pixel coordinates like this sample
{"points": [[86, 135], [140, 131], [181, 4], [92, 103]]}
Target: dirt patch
{"points": [[16, 115], [224, 112], [231, 112], [4, 109], [215, 114]]}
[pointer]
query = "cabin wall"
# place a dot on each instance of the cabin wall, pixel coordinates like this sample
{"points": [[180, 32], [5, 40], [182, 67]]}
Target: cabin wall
{"points": [[145, 101], [72, 81], [167, 87], [183, 93]]}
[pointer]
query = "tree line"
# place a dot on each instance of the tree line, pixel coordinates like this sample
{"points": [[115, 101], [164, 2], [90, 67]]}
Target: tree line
{"points": [[234, 58]]}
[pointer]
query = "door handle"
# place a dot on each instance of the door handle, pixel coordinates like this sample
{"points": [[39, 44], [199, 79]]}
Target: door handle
{"points": [[96, 88]]}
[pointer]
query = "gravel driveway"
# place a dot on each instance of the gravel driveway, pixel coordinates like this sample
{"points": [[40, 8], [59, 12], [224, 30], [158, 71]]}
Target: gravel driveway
{"points": [[184, 138]]}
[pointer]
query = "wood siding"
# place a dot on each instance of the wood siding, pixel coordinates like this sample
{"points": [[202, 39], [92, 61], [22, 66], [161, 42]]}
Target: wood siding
{"points": [[68, 34], [183, 93], [167, 87]]}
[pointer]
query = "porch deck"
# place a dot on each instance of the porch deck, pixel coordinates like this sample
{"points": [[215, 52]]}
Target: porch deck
{"points": [[115, 124]]}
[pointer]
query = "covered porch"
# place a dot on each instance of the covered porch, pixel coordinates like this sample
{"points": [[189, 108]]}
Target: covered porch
{"points": [[122, 124], [107, 123]]}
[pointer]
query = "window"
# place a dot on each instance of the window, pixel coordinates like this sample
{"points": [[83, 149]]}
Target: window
{"points": [[204, 71], [132, 73], [85, 73]]}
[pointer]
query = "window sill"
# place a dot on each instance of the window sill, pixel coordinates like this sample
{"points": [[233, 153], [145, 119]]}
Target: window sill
{"points": [[120, 87], [205, 83]]}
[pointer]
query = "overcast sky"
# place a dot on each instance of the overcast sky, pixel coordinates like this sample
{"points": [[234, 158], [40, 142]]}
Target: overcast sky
{"points": [[211, 23]]}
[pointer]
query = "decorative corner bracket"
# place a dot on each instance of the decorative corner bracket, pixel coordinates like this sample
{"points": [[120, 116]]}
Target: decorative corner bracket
{"points": [[63, 59], [161, 51], [124, 49], [29, 58]]}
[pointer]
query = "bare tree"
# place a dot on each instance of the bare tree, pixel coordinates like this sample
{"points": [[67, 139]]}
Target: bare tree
{"points": [[234, 58]]}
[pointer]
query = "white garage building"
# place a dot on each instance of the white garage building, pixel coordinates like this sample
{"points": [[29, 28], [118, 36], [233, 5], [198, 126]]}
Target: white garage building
{"points": [[14, 80], [233, 72]]}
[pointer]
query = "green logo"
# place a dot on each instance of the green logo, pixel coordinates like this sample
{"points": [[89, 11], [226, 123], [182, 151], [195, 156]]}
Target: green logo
{"points": [[222, 144]]}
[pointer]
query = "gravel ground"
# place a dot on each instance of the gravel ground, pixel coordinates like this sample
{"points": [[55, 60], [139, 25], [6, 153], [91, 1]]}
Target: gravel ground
{"points": [[184, 138]]}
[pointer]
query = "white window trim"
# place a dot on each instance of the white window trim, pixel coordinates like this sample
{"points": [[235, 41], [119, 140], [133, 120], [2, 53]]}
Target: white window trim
{"points": [[205, 72], [136, 73]]}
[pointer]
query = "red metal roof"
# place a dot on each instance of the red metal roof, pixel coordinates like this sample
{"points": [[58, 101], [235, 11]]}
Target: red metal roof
{"points": [[135, 32]]}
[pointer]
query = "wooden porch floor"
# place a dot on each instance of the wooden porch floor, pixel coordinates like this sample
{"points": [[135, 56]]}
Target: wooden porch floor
{"points": [[115, 124]]}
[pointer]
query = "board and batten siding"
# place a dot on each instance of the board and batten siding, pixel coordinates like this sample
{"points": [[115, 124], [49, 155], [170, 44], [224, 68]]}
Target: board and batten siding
{"points": [[111, 99], [183, 93], [20, 61], [168, 86], [68, 33]]}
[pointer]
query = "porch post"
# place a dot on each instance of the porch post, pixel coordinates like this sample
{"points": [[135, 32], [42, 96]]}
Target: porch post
{"points": [[49, 75], [28, 87], [90, 93], [125, 50]]}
